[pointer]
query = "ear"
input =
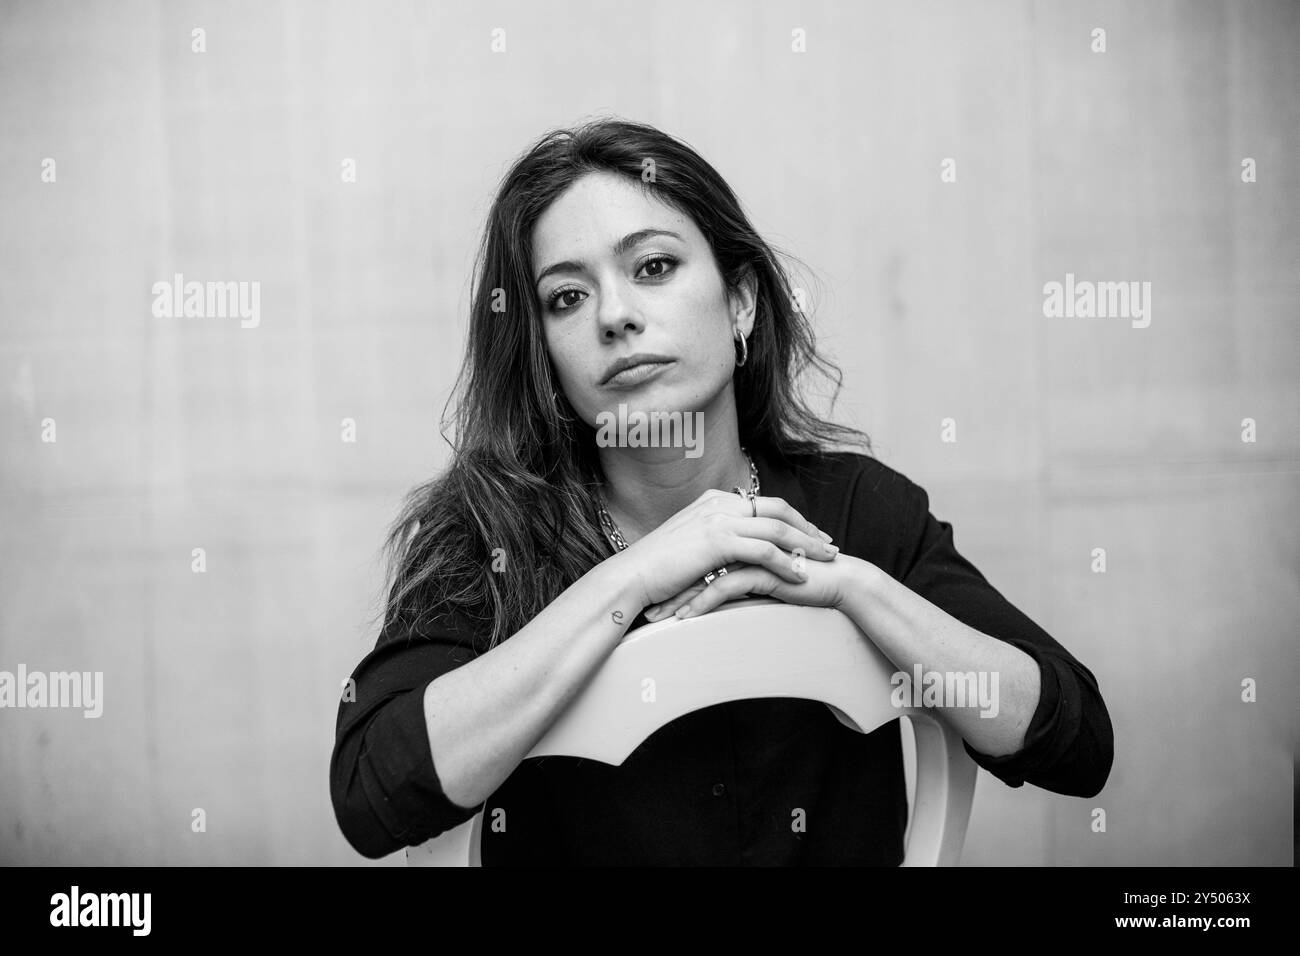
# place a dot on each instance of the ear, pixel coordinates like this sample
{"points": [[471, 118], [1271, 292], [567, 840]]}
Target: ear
{"points": [[743, 301]]}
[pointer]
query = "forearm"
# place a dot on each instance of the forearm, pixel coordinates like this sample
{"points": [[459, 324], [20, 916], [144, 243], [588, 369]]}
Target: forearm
{"points": [[911, 631], [484, 716]]}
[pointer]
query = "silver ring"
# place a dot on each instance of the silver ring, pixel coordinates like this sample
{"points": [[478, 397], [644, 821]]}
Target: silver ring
{"points": [[713, 575], [749, 496]]}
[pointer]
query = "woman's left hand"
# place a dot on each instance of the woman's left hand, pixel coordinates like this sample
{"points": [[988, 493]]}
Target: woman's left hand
{"points": [[826, 586]]}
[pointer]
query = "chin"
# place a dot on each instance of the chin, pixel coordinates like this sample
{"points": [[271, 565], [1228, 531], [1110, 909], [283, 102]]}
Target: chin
{"points": [[648, 419], [644, 400]]}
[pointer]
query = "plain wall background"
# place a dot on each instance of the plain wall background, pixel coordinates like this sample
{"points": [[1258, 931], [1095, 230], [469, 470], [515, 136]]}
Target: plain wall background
{"points": [[222, 687]]}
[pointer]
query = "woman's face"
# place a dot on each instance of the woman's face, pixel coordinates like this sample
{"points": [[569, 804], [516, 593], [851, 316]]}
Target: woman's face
{"points": [[619, 274]]}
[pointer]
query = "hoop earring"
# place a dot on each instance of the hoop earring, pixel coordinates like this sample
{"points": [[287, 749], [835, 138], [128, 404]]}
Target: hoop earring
{"points": [[744, 349]]}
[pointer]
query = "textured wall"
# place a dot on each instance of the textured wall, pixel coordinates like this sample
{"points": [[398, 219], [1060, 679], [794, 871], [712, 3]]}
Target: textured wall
{"points": [[1072, 433]]}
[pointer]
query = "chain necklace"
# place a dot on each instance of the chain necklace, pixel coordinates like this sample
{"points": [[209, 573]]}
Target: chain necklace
{"points": [[620, 543]]}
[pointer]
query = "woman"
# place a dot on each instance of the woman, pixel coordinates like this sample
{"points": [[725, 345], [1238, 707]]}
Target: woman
{"points": [[618, 269]]}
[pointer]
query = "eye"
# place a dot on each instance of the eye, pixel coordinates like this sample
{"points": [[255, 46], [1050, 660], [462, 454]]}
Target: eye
{"points": [[567, 298], [557, 301], [665, 265]]}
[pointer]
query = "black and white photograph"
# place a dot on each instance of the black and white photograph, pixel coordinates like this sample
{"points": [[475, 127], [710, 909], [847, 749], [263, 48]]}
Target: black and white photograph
{"points": [[763, 434]]}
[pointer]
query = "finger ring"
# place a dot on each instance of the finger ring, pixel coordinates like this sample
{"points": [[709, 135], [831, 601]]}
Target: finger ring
{"points": [[713, 575], [749, 496]]}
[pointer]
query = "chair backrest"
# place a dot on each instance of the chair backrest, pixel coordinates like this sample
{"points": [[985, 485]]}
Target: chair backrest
{"points": [[749, 649]]}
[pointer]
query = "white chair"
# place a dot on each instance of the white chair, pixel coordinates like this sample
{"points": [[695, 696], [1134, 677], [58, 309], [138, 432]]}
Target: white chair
{"points": [[742, 650]]}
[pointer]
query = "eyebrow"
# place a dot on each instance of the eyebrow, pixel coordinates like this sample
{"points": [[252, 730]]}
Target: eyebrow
{"points": [[620, 247]]}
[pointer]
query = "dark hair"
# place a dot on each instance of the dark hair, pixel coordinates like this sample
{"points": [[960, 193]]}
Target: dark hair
{"points": [[524, 469]]}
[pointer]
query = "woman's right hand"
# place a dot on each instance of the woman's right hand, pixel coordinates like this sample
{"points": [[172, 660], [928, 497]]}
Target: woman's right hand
{"points": [[716, 530]]}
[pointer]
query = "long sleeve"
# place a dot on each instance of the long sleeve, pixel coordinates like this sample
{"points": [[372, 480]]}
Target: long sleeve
{"points": [[1069, 745], [383, 782]]}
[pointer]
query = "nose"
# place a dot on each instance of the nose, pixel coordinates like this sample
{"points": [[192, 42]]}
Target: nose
{"points": [[617, 314]]}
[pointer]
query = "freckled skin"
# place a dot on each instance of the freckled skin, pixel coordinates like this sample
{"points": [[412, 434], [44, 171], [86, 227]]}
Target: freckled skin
{"points": [[620, 305]]}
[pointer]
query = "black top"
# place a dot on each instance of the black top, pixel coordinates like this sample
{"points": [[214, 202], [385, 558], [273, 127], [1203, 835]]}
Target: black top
{"points": [[718, 786]]}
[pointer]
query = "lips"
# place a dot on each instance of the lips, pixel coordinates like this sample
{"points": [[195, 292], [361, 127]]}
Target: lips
{"points": [[625, 369], [636, 374]]}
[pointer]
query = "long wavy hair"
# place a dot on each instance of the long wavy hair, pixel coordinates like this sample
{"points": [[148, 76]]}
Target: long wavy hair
{"points": [[512, 522]]}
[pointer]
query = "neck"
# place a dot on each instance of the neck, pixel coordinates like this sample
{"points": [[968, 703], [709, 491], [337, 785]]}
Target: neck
{"points": [[644, 487]]}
